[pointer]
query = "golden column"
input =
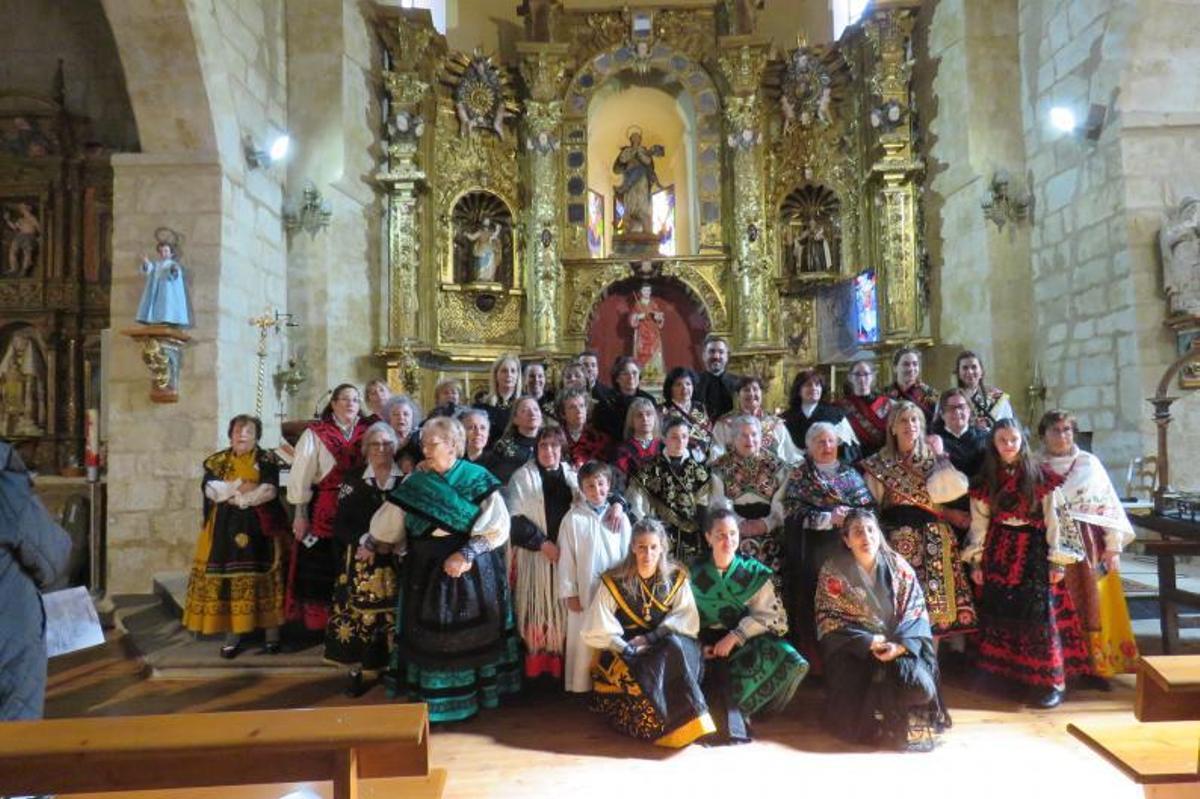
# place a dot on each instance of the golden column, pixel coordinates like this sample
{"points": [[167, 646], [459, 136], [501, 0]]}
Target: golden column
{"points": [[544, 68], [888, 31], [742, 61], [408, 35]]}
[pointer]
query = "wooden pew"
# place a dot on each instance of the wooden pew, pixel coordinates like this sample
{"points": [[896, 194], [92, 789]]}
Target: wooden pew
{"points": [[1168, 688], [1163, 757], [196, 750]]}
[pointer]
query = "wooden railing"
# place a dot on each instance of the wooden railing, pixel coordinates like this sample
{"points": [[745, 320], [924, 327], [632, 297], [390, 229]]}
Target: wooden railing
{"points": [[195, 750]]}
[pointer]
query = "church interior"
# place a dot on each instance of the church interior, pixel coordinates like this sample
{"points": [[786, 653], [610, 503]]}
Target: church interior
{"points": [[223, 207]]}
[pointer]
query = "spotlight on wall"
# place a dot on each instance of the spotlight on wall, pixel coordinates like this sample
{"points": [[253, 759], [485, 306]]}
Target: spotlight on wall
{"points": [[1094, 124], [258, 157], [1062, 118]]}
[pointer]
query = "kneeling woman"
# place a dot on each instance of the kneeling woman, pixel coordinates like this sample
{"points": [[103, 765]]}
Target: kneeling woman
{"points": [[644, 622], [456, 646], [749, 667], [876, 642]]}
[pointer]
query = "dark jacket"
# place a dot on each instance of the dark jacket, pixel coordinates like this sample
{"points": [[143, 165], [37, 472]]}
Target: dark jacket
{"points": [[716, 393], [34, 552]]}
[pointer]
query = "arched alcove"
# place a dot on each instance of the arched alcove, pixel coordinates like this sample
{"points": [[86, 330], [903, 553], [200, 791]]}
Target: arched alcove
{"points": [[686, 321], [696, 102], [664, 118]]}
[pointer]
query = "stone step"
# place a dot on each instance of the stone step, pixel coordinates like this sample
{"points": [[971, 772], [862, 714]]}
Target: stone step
{"points": [[152, 624]]}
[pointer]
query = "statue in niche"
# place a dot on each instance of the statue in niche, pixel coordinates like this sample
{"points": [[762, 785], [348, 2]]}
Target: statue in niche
{"points": [[1180, 243], [540, 16], [811, 215], [485, 258], [481, 227], [811, 248], [646, 317], [635, 165], [25, 233], [22, 388], [164, 297]]}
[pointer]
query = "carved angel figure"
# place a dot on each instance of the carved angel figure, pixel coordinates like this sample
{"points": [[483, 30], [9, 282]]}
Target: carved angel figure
{"points": [[1180, 243]]}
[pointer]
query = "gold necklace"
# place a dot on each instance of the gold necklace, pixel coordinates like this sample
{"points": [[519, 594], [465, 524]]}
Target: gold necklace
{"points": [[647, 599]]}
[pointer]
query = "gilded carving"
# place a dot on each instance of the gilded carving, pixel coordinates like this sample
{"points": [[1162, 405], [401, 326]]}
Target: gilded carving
{"points": [[460, 321], [690, 32]]}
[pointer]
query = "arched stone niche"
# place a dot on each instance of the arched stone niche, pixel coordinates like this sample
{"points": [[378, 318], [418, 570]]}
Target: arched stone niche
{"points": [[810, 232], [698, 103]]}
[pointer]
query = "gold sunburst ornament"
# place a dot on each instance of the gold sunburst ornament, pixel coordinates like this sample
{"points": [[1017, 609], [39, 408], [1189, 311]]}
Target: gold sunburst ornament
{"points": [[483, 97]]}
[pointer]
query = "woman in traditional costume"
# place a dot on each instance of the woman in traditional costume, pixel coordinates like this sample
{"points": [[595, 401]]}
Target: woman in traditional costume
{"points": [[456, 647], [910, 479], [447, 398], [644, 622], [327, 452], [583, 441], [505, 388], [405, 418], [749, 481], [678, 389], [866, 409], [588, 546], [514, 449], [1104, 530], [642, 441], [819, 492], [540, 493], [806, 407], [363, 621], [907, 385], [988, 403], [1021, 541], [881, 675], [776, 438], [749, 667], [236, 584], [675, 488]]}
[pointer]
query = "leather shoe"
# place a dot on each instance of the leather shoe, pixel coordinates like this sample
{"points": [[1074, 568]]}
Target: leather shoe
{"points": [[272, 648], [1047, 699], [231, 651]]}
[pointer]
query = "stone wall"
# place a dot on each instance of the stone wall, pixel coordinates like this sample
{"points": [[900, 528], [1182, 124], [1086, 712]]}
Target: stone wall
{"points": [[966, 94], [336, 278], [200, 76]]}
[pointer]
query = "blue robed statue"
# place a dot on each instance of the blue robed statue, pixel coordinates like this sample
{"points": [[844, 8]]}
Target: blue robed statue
{"points": [[164, 298]]}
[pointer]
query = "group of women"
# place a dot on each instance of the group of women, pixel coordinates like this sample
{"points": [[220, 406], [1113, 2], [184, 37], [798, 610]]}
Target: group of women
{"points": [[542, 535]]}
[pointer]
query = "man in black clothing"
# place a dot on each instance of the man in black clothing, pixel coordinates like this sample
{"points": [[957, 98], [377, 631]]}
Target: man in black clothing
{"points": [[716, 388]]}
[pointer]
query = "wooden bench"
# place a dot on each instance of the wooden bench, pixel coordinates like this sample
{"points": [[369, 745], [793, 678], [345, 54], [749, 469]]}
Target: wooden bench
{"points": [[341, 745], [1168, 688], [1163, 757]]}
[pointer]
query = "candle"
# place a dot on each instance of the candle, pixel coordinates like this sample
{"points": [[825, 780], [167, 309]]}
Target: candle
{"points": [[91, 447]]}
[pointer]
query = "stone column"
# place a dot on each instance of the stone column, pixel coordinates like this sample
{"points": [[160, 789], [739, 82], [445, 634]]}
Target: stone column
{"points": [[889, 32], [742, 61], [544, 68]]}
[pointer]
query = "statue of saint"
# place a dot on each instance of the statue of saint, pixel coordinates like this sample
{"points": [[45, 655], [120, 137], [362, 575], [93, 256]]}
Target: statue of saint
{"points": [[22, 247], [22, 389], [164, 298], [635, 165], [485, 247], [811, 248], [1180, 243], [646, 317]]}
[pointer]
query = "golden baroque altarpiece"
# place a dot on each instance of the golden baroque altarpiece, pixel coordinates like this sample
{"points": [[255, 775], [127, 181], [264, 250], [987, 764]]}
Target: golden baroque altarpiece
{"points": [[805, 173], [55, 277]]}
